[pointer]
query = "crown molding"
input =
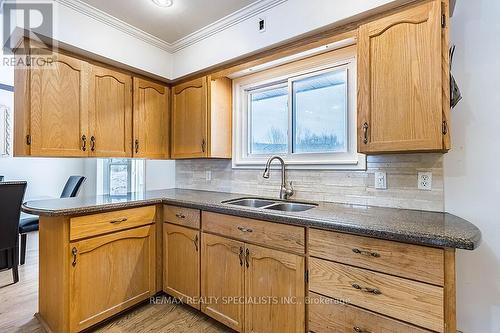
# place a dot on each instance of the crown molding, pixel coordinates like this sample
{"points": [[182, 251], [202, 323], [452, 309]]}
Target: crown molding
{"points": [[103, 17], [224, 23]]}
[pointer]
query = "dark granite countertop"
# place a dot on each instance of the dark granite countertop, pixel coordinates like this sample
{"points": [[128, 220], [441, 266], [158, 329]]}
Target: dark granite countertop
{"points": [[410, 226]]}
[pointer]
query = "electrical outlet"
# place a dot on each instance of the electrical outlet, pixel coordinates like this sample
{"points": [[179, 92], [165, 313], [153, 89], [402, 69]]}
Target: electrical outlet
{"points": [[381, 180], [262, 24], [425, 181], [208, 175]]}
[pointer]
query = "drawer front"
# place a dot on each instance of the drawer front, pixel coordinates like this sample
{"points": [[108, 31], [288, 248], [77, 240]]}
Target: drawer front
{"points": [[327, 315], [187, 217], [415, 262], [98, 224], [411, 301], [282, 236]]}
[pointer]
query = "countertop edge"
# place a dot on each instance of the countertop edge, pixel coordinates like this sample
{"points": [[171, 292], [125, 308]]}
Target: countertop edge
{"points": [[281, 217]]}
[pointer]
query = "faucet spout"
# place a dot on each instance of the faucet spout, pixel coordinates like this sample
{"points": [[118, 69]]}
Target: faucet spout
{"points": [[286, 190]]}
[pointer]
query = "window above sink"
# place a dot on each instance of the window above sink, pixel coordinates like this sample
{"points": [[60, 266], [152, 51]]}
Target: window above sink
{"points": [[303, 111]]}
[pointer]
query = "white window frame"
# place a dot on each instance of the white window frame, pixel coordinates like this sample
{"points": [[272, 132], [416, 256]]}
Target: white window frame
{"points": [[335, 60]]}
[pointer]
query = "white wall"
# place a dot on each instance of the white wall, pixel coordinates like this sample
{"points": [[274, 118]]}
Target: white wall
{"points": [[45, 176], [285, 21], [472, 172]]}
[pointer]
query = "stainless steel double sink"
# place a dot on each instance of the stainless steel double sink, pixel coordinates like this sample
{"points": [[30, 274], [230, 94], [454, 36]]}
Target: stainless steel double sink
{"points": [[270, 204]]}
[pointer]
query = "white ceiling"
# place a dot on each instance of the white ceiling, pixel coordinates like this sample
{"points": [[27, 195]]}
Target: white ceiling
{"points": [[171, 23]]}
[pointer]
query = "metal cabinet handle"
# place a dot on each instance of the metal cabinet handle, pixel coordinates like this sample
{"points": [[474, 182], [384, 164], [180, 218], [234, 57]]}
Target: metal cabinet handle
{"points": [[92, 143], [365, 133], [118, 221], [180, 216], [359, 330], [203, 145], [373, 291], [84, 142], [247, 258], [243, 229], [366, 253], [241, 256], [74, 252], [136, 146]]}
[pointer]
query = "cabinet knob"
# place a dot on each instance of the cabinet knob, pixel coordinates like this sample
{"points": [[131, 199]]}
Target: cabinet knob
{"points": [[365, 133], [136, 146], [373, 291], [366, 253], [84, 142], [247, 258], [241, 255], [92, 143], [74, 252]]}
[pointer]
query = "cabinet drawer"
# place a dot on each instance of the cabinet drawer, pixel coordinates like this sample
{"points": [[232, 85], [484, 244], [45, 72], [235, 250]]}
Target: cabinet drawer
{"points": [[327, 315], [414, 302], [187, 217], [282, 236], [415, 262], [98, 224]]}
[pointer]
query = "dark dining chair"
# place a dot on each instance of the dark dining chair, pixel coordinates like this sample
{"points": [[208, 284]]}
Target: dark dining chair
{"points": [[1, 178], [11, 199], [29, 224]]}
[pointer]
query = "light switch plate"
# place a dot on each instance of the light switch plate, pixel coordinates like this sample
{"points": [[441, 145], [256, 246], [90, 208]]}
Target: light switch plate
{"points": [[425, 181], [381, 180]]}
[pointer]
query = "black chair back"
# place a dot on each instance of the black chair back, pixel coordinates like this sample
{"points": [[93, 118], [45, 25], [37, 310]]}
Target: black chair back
{"points": [[73, 186], [1, 178], [11, 199]]}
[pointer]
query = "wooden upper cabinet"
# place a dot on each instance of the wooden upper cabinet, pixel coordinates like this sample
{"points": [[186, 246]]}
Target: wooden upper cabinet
{"points": [[401, 85], [151, 120], [201, 118], [58, 107], [110, 113], [189, 119]]}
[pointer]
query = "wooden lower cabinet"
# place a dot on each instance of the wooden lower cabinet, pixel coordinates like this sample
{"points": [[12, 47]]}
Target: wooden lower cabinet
{"points": [[274, 287], [327, 315], [109, 274], [222, 282], [257, 289], [181, 263]]}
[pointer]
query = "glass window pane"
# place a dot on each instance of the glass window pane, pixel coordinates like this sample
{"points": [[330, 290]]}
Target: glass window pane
{"points": [[118, 179], [320, 113], [269, 121]]}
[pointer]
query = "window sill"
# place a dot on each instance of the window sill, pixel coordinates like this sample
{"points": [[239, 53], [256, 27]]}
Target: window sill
{"points": [[358, 164]]}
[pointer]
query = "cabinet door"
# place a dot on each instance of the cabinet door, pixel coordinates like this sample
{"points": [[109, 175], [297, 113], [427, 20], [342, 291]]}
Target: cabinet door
{"points": [[275, 283], [400, 82], [59, 106], [189, 119], [181, 266], [109, 274], [222, 281], [151, 130], [110, 117]]}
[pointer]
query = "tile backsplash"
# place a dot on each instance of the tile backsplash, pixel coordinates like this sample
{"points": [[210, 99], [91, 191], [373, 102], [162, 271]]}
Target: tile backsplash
{"points": [[351, 187]]}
